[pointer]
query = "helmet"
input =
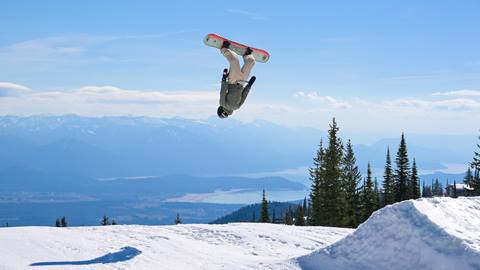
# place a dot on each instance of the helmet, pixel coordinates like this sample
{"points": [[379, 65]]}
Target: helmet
{"points": [[221, 112]]}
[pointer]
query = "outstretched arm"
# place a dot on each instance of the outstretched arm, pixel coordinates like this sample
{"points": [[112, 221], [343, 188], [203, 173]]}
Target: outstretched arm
{"points": [[224, 88], [246, 90]]}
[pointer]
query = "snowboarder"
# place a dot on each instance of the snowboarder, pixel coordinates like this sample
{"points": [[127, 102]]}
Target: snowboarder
{"points": [[235, 87]]}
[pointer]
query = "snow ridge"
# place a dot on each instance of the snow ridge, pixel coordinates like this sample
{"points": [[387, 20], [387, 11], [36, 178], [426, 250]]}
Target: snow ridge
{"points": [[439, 233]]}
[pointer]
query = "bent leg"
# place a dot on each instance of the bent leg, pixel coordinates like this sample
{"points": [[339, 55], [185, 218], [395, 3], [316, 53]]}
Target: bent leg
{"points": [[235, 73], [249, 62]]}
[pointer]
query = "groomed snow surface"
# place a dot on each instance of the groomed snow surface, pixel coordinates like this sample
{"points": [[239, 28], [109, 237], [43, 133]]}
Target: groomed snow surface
{"points": [[232, 246], [439, 233]]}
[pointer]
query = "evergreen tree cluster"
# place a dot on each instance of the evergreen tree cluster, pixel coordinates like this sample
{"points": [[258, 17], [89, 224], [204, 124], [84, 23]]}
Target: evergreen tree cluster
{"points": [[403, 182], [298, 216], [105, 221], [341, 197], [61, 222], [336, 196], [474, 181], [178, 220], [433, 190]]}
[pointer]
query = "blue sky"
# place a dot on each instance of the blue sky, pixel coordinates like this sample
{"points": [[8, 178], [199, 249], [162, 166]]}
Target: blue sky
{"points": [[378, 66]]}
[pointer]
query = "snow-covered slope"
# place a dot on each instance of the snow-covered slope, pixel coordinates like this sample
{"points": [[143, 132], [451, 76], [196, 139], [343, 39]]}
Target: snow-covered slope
{"points": [[231, 246], [439, 233], [426, 234]]}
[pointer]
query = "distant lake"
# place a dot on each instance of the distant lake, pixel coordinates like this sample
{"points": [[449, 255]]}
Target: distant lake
{"points": [[241, 197]]}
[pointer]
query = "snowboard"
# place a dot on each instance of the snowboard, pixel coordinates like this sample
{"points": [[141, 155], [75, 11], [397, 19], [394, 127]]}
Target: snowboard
{"points": [[216, 41]]}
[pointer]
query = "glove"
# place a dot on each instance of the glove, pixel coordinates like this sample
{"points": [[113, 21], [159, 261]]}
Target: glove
{"points": [[225, 74]]}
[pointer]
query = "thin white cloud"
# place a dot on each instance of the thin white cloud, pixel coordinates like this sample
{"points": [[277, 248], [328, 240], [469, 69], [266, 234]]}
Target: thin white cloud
{"points": [[110, 100], [251, 15], [460, 93], [331, 101], [66, 47], [458, 104], [12, 89]]}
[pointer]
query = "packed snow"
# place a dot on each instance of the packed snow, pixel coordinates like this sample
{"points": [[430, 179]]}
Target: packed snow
{"points": [[202, 246], [438, 233], [426, 234]]}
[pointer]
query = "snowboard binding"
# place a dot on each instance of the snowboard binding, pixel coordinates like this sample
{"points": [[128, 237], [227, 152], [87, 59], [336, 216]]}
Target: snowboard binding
{"points": [[225, 44]]}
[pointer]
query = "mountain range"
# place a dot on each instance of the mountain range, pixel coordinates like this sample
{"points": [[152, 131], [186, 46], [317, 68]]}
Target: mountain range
{"points": [[141, 146]]}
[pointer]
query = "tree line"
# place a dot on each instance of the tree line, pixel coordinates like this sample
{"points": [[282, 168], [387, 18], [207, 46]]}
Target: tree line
{"points": [[104, 221], [341, 197]]}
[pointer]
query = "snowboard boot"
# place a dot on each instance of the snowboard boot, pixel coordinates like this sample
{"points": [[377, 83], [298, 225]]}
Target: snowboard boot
{"points": [[225, 44], [248, 51]]}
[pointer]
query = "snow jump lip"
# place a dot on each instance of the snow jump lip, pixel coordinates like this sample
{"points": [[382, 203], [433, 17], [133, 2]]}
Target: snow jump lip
{"points": [[422, 234]]}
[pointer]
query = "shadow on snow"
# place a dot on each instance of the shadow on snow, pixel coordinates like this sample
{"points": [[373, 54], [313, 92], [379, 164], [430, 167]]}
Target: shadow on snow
{"points": [[124, 254]]}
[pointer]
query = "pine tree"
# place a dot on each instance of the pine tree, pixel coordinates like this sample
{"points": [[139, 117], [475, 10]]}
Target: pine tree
{"points": [[368, 196], [300, 216], [427, 191], [402, 172], [57, 223], [415, 182], [455, 193], [114, 222], [388, 182], [273, 216], [468, 177], [476, 158], [315, 189], [305, 208], [104, 221], [376, 192], [288, 217], [178, 220], [437, 188], [254, 219], [475, 184], [351, 177], [264, 217], [475, 164], [332, 195], [63, 222]]}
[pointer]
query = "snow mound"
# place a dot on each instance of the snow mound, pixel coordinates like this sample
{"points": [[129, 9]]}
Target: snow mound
{"points": [[438, 233]]}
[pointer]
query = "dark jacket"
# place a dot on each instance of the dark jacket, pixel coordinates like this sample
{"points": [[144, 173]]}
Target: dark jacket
{"points": [[232, 96]]}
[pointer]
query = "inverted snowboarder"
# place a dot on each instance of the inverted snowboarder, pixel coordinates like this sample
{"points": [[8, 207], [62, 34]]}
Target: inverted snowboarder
{"points": [[233, 91], [235, 83]]}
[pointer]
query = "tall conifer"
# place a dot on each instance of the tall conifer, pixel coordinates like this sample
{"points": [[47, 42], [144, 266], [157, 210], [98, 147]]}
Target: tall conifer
{"points": [[300, 216], [415, 182], [264, 211], [315, 189], [333, 196], [369, 198], [351, 177], [388, 182], [402, 172], [475, 182]]}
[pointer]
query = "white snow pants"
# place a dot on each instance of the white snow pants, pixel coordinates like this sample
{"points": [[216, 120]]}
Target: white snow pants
{"points": [[237, 74]]}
